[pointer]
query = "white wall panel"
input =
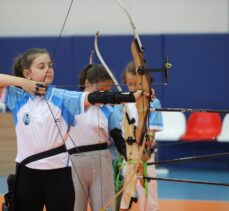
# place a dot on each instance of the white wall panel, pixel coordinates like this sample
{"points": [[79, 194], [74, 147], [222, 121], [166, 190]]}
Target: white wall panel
{"points": [[45, 17]]}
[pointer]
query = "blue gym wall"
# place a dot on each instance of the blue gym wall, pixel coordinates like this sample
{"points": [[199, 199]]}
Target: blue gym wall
{"points": [[198, 78]]}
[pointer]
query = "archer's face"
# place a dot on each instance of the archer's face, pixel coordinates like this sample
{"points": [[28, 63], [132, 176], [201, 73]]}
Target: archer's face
{"points": [[131, 81], [105, 85], [41, 69]]}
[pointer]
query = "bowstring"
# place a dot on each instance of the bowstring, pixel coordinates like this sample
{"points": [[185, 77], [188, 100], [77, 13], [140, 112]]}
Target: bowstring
{"points": [[53, 116], [100, 159]]}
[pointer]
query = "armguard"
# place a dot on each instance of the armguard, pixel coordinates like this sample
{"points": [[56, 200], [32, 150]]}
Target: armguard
{"points": [[110, 97], [119, 141]]}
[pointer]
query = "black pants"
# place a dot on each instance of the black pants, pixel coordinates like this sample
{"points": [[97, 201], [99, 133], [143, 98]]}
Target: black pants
{"points": [[52, 188]]}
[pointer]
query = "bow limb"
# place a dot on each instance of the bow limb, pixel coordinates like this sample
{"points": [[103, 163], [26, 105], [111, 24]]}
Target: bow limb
{"points": [[104, 63], [117, 85], [136, 36], [91, 57]]}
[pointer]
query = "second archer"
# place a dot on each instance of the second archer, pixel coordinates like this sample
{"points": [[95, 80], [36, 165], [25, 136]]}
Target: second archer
{"points": [[90, 155]]}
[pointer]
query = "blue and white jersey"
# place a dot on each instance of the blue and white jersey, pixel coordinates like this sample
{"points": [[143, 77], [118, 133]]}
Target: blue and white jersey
{"points": [[155, 121], [93, 126], [35, 127]]}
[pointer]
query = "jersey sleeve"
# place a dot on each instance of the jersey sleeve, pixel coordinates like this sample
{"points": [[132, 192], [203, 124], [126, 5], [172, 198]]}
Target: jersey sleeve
{"points": [[71, 103], [111, 116], [74, 101], [155, 118], [113, 121], [13, 97], [118, 110]]}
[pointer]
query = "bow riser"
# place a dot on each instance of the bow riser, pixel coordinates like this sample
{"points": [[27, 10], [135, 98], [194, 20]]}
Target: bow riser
{"points": [[143, 83]]}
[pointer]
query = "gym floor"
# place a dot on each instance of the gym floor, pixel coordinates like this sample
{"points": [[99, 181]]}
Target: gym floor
{"points": [[184, 196]]}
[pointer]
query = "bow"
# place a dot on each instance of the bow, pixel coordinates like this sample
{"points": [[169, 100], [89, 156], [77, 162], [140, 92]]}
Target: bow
{"points": [[142, 105], [129, 124]]}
